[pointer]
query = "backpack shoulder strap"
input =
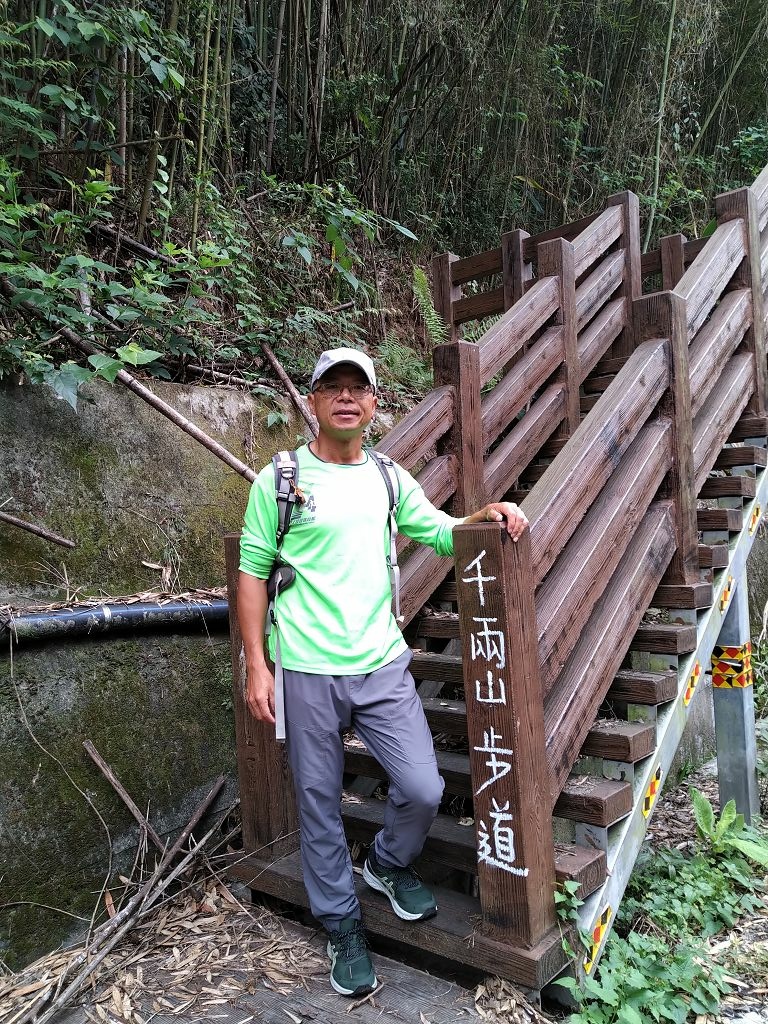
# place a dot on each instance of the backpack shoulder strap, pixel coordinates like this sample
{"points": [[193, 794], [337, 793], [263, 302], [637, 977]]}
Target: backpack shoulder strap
{"points": [[388, 470], [286, 466]]}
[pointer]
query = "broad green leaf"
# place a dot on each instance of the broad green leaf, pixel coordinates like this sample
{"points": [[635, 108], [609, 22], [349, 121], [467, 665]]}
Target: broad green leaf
{"points": [[305, 254], [89, 29], [160, 71], [757, 852], [703, 813], [176, 78], [105, 366], [629, 1015], [137, 356], [404, 230], [45, 26]]}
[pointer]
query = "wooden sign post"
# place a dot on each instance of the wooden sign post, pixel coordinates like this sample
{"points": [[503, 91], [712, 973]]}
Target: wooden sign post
{"points": [[515, 855]]}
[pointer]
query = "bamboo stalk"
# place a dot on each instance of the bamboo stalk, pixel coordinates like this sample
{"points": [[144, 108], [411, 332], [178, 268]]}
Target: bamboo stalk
{"points": [[39, 531]]}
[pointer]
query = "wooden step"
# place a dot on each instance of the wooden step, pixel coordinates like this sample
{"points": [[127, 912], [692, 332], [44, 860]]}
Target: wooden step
{"points": [[594, 801], [444, 625], [729, 519], [446, 592], [454, 768], [443, 668], [692, 595], [455, 845], [615, 740], [664, 639], [729, 487], [452, 933], [744, 455], [644, 687], [713, 556], [448, 716], [749, 426]]}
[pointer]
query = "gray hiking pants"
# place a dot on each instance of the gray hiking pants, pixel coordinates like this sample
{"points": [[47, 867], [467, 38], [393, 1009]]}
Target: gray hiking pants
{"points": [[388, 717]]}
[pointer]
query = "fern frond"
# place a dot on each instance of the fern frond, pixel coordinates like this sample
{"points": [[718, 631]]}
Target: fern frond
{"points": [[437, 329]]}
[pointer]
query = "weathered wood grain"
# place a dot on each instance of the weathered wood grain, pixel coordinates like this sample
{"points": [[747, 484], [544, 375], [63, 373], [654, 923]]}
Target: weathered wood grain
{"points": [[740, 206], [595, 239], [517, 388], [664, 313], [454, 768], [420, 430], [479, 306], [718, 417], [650, 262], [445, 668], [558, 504], [445, 291], [475, 268], [423, 571], [644, 687], [594, 801], [521, 444], [580, 864], [631, 287], [685, 595], [507, 336], [445, 716], [672, 251], [744, 455], [713, 556], [714, 519], [266, 791], [600, 335], [438, 478], [454, 933], [505, 714], [663, 639], [619, 741], [569, 231], [749, 426], [760, 189], [517, 272], [458, 365], [555, 259], [716, 342], [728, 487], [705, 280], [582, 685], [570, 591], [593, 292]]}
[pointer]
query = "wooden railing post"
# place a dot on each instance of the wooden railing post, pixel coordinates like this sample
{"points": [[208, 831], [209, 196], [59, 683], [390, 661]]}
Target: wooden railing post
{"points": [[632, 287], [663, 315], [444, 292], [515, 272], [742, 203], [505, 722], [458, 364], [555, 259], [266, 789], [672, 254]]}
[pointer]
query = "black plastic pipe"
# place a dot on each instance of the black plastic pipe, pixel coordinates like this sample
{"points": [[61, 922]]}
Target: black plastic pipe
{"points": [[120, 619]]}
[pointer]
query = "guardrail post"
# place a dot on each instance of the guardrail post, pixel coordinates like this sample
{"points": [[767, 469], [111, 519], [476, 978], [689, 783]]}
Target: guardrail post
{"points": [[632, 285], [505, 722], [266, 788], [731, 206], [515, 272], [555, 259], [735, 708], [663, 315], [672, 254], [458, 364], [444, 292]]}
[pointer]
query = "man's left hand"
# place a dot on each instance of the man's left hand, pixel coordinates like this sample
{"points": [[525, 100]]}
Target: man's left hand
{"points": [[499, 512]]}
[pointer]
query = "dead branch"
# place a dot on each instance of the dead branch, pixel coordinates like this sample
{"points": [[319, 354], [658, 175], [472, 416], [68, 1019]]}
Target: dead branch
{"points": [[110, 776], [144, 393], [296, 398], [39, 531]]}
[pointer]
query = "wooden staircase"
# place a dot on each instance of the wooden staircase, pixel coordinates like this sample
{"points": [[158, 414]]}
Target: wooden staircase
{"points": [[633, 429]]}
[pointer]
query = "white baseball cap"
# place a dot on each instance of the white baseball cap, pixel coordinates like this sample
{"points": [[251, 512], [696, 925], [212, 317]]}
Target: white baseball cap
{"points": [[337, 357]]}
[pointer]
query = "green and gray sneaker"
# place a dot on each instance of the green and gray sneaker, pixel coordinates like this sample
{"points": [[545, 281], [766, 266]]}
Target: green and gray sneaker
{"points": [[410, 898], [351, 967]]}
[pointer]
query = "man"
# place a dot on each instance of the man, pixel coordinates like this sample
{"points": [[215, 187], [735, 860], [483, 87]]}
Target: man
{"points": [[343, 656]]}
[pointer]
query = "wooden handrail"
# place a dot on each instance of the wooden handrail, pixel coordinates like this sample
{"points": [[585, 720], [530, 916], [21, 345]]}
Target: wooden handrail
{"points": [[416, 433], [715, 344], [592, 293], [714, 423], [515, 452], [518, 325], [600, 334], [562, 497], [760, 189], [595, 239], [705, 280]]}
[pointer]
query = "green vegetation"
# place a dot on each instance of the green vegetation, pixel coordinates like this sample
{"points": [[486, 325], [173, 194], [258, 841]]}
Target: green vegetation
{"points": [[258, 161]]}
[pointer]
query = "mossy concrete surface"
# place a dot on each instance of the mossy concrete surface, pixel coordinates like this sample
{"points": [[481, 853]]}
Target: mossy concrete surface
{"points": [[129, 487], [158, 709], [126, 484]]}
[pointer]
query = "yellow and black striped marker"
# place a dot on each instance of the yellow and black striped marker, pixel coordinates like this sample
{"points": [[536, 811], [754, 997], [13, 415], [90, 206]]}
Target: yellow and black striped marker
{"points": [[754, 519], [725, 597], [692, 684], [599, 929], [652, 792], [732, 667]]}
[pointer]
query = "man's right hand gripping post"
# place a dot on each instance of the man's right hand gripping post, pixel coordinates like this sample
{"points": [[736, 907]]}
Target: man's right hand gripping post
{"points": [[252, 603]]}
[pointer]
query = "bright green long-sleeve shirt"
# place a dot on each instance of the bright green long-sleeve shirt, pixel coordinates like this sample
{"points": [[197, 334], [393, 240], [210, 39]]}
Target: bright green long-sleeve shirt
{"points": [[336, 618]]}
